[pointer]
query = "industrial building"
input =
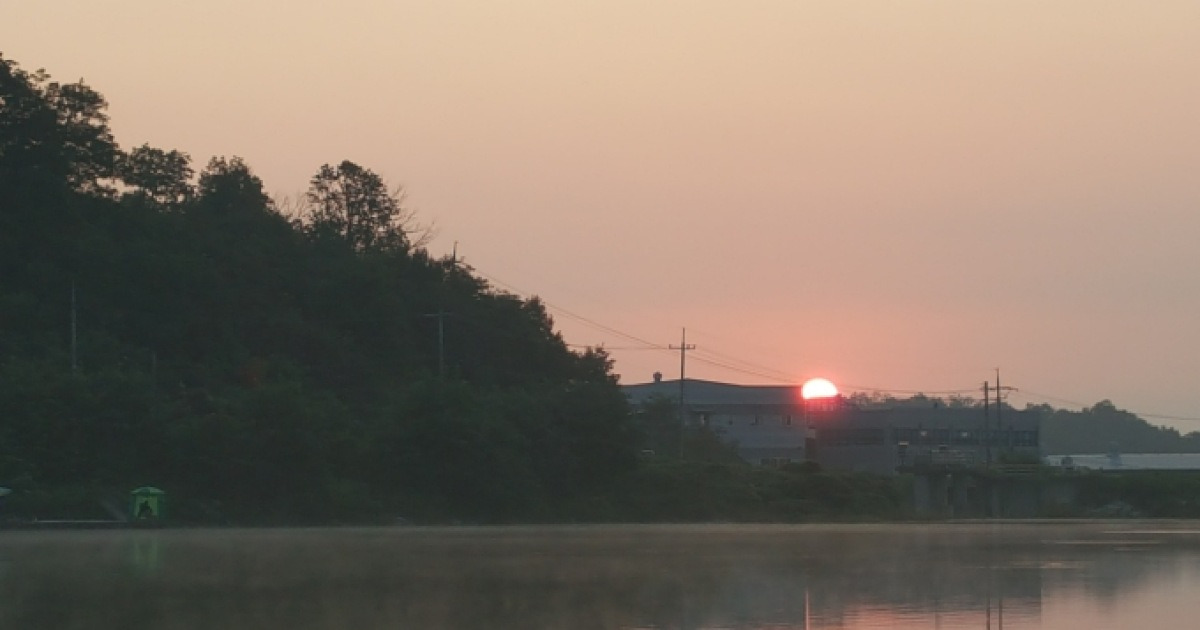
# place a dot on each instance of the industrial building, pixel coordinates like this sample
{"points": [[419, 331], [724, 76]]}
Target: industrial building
{"points": [[773, 425]]}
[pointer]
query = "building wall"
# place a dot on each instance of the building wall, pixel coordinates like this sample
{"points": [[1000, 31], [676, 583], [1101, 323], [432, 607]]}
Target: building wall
{"points": [[773, 423], [880, 460], [766, 435], [883, 441], [766, 422]]}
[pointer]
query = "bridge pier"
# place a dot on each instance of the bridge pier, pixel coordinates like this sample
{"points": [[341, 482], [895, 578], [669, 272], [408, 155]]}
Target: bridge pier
{"points": [[980, 493]]}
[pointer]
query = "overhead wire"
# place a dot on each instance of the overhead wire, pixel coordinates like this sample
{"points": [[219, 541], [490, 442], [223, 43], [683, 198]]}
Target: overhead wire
{"points": [[741, 366], [734, 368], [604, 346], [646, 345], [747, 365], [1062, 401], [715, 359], [760, 370], [911, 392], [707, 348], [1140, 414]]}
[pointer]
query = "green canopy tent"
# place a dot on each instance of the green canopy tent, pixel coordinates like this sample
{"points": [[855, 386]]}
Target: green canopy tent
{"points": [[148, 503]]}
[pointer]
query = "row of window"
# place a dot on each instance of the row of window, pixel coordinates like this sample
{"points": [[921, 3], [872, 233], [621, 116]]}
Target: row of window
{"points": [[968, 437], [914, 436], [876, 436], [706, 419]]}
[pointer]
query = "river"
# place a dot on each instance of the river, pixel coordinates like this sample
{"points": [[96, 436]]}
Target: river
{"points": [[971, 575]]}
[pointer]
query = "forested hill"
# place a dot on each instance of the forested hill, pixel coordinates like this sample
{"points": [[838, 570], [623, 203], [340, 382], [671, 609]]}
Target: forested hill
{"points": [[263, 366], [1096, 429], [1103, 427]]}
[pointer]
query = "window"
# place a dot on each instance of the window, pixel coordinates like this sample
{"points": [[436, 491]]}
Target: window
{"points": [[966, 437]]}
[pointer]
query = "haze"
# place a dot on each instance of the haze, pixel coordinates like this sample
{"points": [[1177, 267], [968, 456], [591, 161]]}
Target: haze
{"points": [[894, 195]]}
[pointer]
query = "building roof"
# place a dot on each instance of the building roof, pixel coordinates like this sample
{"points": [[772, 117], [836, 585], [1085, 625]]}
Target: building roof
{"points": [[698, 392], [946, 417]]}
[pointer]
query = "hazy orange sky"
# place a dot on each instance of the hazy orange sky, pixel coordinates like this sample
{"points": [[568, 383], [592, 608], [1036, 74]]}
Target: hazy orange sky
{"points": [[891, 194]]}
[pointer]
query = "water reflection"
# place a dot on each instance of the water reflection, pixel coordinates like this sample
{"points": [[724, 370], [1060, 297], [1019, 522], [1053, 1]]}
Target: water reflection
{"points": [[898, 576]]}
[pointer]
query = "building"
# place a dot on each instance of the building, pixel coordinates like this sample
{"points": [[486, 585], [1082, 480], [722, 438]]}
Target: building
{"points": [[765, 421], [927, 437], [772, 425]]}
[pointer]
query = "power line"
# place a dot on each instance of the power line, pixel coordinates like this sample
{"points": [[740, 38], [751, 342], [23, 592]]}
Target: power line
{"points": [[577, 317], [603, 346], [1161, 416], [911, 392], [734, 368], [646, 345], [756, 367], [1047, 397], [733, 364], [683, 348], [1075, 403], [748, 367]]}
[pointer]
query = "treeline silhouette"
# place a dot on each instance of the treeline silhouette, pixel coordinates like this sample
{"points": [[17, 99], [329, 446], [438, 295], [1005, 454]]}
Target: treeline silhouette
{"points": [[1100, 428], [314, 363], [177, 328], [1103, 428]]}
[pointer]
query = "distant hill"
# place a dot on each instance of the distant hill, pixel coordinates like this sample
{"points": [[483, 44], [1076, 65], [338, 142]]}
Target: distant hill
{"points": [[1100, 428], [174, 326], [1103, 427]]}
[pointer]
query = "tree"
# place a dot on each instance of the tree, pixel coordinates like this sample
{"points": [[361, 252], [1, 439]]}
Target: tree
{"points": [[659, 427], [223, 342], [355, 204], [53, 136], [228, 185], [162, 177], [56, 166], [25, 120]]}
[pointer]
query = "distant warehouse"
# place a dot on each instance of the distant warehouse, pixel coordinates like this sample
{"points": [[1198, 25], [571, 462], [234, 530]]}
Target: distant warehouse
{"points": [[774, 425]]}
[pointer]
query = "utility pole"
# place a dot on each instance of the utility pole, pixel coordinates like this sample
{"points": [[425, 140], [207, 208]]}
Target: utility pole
{"points": [[74, 332], [441, 316], [987, 427], [683, 348], [1000, 402]]}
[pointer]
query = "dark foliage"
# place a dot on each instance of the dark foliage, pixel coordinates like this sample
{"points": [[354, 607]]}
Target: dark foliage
{"points": [[262, 368], [1103, 428]]}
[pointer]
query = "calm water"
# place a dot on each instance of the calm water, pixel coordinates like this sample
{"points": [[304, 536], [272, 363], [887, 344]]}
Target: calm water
{"points": [[1068, 576]]}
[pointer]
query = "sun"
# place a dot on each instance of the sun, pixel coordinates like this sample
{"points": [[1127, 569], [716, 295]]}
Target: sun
{"points": [[818, 388]]}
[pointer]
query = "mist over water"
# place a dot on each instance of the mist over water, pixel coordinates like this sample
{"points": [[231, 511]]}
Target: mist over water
{"points": [[1107, 575]]}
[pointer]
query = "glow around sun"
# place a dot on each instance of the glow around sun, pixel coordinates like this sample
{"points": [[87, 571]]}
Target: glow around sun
{"points": [[818, 388]]}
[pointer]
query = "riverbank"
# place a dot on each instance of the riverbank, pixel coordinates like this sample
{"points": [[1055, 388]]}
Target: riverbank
{"points": [[679, 492]]}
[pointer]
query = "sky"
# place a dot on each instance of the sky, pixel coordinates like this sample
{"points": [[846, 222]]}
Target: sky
{"points": [[898, 195]]}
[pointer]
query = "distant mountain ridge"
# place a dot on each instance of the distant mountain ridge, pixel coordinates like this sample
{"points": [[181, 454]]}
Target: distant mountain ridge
{"points": [[1103, 428]]}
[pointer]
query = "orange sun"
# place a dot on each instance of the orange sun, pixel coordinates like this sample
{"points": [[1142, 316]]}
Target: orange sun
{"points": [[818, 388]]}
